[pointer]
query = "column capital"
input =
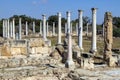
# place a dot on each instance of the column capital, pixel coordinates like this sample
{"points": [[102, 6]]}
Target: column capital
{"points": [[44, 15], [80, 11], [94, 10], [59, 13], [68, 13]]}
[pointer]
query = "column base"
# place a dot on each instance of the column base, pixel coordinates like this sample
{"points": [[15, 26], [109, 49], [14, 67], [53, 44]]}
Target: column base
{"points": [[70, 64], [81, 49], [93, 51]]}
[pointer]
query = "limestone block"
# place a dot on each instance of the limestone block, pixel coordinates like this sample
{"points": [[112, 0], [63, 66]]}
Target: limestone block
{"points": [[36, 50], [3, 63], [5, 50], [36, 43], [87, 63], [18, 50], [112, 61], [13, 63]]}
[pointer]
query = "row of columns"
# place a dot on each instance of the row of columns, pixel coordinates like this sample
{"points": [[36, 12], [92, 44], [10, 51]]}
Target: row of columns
{"points": [[68, 31]]}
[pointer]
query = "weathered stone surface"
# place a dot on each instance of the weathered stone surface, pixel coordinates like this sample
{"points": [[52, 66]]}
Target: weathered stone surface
{"points": [[108, 38], [36, 43]]}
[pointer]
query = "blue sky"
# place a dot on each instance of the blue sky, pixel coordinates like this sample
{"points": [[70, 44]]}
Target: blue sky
{"points": [[35, 8]]}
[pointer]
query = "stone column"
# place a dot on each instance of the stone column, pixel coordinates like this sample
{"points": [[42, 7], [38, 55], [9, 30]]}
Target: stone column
{"points": [[108, 39], [20, 29], [13, 23], [44, 27], [26, 30], [59, 28], [66, 29], [69, 63], [87, 29], [71, 27], [53, 28], [103, 30], [3, 25], [11, 30], [34, 27], [40, 28], [80, 29], [94, 41], [76, 29], [8, 28], [47, 29]]}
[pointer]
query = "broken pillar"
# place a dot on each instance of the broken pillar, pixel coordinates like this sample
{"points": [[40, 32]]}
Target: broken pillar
{"points": [[44, 28], [108, 40]]}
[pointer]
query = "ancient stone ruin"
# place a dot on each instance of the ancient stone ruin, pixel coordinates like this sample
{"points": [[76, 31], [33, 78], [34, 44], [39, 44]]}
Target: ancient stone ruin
{"points": [[27, 57]]}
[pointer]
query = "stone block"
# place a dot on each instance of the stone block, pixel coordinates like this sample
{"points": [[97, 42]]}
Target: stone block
{"points": [[87, 63]]}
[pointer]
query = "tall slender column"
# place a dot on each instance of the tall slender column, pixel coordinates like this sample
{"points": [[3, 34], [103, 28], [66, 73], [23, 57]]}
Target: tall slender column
{"points": [[34, 27], [40, 28], [53, 28], [71, 27], [3, 25], [13, 23], [47, 29], [80, 29], [65, 28], [93, 46], [69, 63], [11, 30], [103, 30], [76, 29], [87, 29], [8, 27], [59, 28], [26, 28], [44, 27], [20, 28]]}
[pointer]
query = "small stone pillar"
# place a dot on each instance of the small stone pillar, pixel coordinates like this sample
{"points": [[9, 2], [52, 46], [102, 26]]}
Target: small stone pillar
{"points": [[71, 25], [13, 23], [26, 30], [11, 30], [59, 28], [40, 28], [34, 27], [76, 29], [103, 30], [80, 29], [94, 41], [20, 29], [47, 29], [108, 38], [87, 29], [53, 29], [65, 29], [8, 28], [3, 25], [69, 63], [44, 27]]}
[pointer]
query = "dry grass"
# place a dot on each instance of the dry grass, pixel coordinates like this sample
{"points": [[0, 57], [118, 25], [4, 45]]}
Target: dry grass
{"points": [[87, 43]]}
